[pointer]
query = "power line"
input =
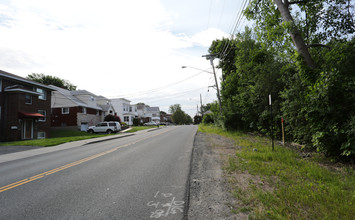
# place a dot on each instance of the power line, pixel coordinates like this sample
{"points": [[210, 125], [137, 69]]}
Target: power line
{"points": [[157, 89]]}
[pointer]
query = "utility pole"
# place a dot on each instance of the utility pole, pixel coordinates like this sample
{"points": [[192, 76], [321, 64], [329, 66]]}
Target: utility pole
{"points": [[211, 58], [201, 105]]}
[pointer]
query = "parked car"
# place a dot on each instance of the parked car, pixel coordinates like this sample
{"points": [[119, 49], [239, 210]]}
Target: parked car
{"points": [[151, 123], [105, 127]]}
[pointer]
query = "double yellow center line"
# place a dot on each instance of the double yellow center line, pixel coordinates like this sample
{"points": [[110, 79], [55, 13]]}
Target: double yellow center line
{"points": [[41, 175]]}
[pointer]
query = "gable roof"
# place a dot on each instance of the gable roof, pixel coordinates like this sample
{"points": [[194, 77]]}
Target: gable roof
{"points": [[82, 92], [23, 80], [70, 95], [153, 109]]}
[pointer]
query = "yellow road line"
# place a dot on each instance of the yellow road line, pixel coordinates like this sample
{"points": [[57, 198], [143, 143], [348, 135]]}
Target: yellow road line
{"points": [[49, 172]]}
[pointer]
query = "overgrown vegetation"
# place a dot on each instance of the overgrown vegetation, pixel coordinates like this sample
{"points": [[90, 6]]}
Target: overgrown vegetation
{"points": [[281, 184], [312, 85]]}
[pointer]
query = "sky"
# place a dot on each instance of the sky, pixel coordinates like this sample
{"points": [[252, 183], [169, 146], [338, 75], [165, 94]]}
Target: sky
{"points": [[119, 49]]}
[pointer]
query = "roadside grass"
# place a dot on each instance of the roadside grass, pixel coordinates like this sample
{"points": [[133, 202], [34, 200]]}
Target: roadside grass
{"points": [[283, 185], [57, 137], [139, 128]]}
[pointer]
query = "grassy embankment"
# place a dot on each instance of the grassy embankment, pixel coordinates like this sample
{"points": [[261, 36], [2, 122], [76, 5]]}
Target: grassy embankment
{"points": [[64, 136], [281, 184]]}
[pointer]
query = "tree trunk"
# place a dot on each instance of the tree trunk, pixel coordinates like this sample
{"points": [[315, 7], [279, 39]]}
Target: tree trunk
{"points": [[295, 34]]}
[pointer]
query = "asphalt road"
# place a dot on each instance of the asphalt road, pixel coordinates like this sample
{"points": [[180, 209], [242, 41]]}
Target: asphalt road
{"points": [[142, 176]]}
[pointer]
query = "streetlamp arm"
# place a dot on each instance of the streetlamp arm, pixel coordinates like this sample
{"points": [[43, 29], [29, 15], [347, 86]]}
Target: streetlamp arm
{"points": [[184, 67]]}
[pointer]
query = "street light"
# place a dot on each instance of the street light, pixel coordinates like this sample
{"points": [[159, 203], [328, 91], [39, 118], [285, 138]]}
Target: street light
{"points": [[184, 67]]}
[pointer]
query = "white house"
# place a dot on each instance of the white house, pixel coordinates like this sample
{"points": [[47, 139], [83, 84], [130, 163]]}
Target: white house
{"points": [[147, 114], [125, 110]]}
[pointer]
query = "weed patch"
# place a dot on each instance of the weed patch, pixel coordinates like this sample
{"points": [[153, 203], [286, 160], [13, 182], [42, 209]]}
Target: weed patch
{"points": [[281, 184]]}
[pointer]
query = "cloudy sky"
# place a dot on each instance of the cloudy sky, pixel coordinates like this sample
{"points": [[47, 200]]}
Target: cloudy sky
{"points": [[119, 49]]}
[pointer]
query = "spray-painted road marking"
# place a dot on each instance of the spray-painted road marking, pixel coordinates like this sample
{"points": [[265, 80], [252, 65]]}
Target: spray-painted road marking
{"points": [[165, 204], [41, 175]]}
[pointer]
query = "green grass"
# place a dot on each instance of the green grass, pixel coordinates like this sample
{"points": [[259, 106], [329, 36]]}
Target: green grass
{"points": [[57, 137], [300, 188], [139, 128]]}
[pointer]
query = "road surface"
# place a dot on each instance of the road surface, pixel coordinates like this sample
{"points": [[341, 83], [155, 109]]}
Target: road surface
{"points": [[143, 176]]}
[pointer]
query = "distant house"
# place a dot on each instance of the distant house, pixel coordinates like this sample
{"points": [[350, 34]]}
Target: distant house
{"points": [[147, 114], [125, 110], [166, 118], [155, 113], [25, 108], [78, 109]]}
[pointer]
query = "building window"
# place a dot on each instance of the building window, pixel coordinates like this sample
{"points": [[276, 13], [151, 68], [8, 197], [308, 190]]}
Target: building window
{"points": [[65, 111], [28, 99], [126, 118], [43, 94], [42, 112], [84, 110], [130, 108], [0, 85], [41, 135]]}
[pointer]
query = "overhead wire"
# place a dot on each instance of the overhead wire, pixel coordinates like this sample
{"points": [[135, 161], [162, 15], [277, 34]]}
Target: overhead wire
{"points": [[236, 25], [159, 88]]}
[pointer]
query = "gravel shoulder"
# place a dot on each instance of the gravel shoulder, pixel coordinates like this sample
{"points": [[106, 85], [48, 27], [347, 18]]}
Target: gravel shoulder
{"points": [[210, 191]]}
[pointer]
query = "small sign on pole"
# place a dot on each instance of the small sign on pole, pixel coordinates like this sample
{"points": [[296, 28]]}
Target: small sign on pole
{"points": [[272, 135], [283, 131]]}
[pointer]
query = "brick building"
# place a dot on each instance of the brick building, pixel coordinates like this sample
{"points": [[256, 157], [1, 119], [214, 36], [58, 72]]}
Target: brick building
{"points": [[76, 109], [25, 108]]}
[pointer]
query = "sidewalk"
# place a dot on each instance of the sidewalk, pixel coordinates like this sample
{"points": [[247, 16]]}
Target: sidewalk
{"points": [[9, 153]]}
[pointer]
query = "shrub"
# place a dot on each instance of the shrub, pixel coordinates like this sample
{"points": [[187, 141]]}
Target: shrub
{"points": [[136, 122], [208, 119], [112, 118]]}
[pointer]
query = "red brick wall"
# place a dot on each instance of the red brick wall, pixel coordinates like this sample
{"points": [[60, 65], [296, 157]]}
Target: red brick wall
{"points": [[13, 103], [59, 119]]}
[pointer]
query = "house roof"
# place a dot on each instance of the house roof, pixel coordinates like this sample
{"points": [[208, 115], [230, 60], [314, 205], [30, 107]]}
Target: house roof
{"points": [[69, 95], [105, 107], [82, 92], [23, 80], [153, 109]]}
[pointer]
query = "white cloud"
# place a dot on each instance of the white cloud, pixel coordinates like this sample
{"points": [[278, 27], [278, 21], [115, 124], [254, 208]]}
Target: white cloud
{"points": [[108, 47]]}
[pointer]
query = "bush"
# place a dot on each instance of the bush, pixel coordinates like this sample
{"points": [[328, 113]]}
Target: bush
{"points": [[208, 119], [112, 118], [136, 121]]}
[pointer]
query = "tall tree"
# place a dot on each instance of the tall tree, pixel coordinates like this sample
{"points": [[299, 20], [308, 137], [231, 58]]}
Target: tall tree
{"points": [[174, 108], [51, 80], [308, 23]]}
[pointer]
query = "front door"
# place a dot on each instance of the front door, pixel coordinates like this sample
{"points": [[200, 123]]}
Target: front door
{"points": [[27, 131]]}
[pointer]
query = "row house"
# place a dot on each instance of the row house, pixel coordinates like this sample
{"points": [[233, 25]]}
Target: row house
{"points": [[78, 109], [25, 108], [147, 114], [125, 110]]}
